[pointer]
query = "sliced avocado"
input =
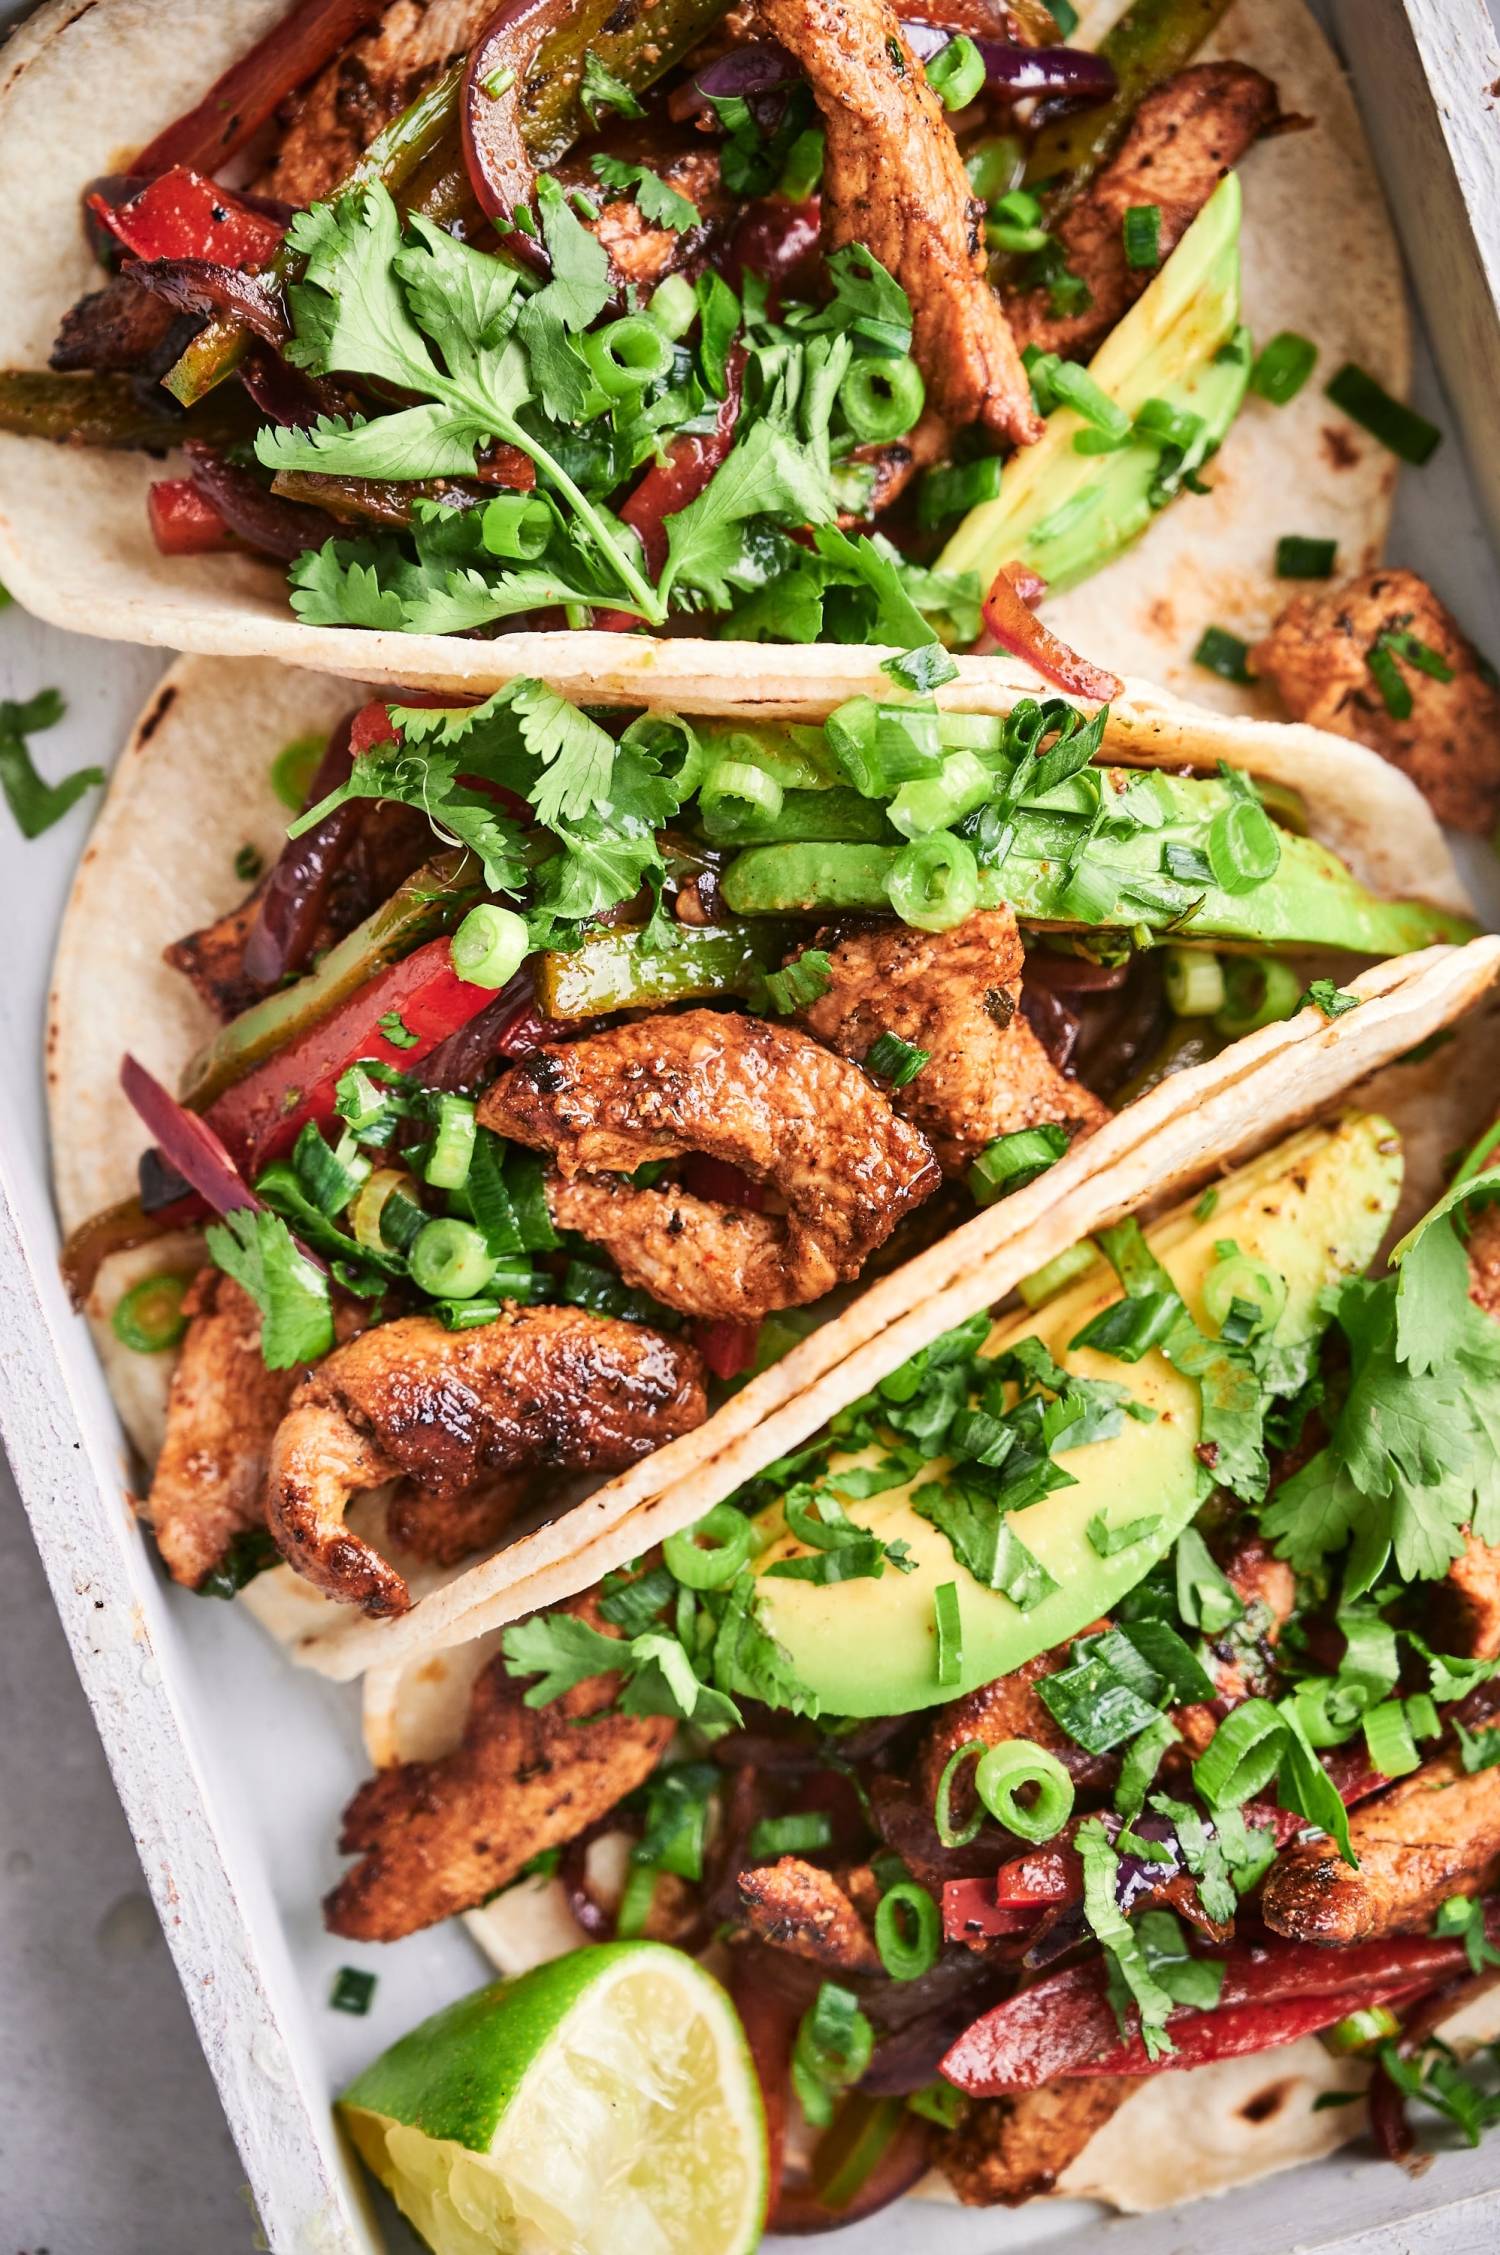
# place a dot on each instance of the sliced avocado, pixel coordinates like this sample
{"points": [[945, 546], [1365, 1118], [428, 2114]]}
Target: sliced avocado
{"points": [[1314, 1210], [1311, 900], [1065, 514]]}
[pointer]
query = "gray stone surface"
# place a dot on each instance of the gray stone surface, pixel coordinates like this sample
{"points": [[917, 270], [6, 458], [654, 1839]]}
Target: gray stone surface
{"points": [[111, 2139]]}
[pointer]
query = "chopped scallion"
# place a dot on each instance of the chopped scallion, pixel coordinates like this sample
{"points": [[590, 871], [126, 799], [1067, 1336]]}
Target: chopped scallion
{"points": [[1300, 558], [1398, 427]]}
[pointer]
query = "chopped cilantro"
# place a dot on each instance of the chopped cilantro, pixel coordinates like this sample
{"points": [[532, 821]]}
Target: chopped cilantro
{"points": [[35, 804], [396, 1031], [601, 90], [658, 202], [258, 1250], [800, 982], [1325, 996]]}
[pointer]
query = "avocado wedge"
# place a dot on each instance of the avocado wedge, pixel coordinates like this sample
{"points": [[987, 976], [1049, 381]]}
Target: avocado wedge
{"points": [[1066, 514], [1314, 1210]]}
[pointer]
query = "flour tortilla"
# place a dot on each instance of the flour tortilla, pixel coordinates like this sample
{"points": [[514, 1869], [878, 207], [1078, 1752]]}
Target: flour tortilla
{"points": [[86, 82], [1174, 2139], [193, 786]]}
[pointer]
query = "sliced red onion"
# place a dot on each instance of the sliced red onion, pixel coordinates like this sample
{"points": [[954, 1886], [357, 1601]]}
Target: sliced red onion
{"points": [[286, 919], [186, 1142], [282, 529], [764, 65], [309, 35], [198, 285]]}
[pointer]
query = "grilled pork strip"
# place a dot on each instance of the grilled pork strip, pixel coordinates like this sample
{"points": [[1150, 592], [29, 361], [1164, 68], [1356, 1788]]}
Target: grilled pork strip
{"points": [[893, 180], [957, 995], [1014, 2148], [438, 1837], [1184, 138], [1317, 657], [763, 1098], [796, 1906], [538, 1386]]}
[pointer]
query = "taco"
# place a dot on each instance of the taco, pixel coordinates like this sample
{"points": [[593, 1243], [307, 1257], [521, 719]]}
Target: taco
{"points": [[1001, 1795], [524, 339], [581, 1078]]}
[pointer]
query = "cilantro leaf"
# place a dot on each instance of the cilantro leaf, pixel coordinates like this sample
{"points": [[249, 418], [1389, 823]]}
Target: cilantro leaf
{"points": [[748, 1660], [36, 804], [258, 1250], [577, 755], [601, 90], [417, 776], [658, 202], [579, 288], [657, 1672], [778, 469]]}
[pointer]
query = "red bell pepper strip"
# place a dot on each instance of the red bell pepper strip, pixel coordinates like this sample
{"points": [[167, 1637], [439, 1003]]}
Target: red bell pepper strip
{"points": [[1064, 2024], [727, 1346], [971, 1913], [239, 102], [1023, 634], [1232, 2030], [1042, 1879], [184, 522], [183, 215], [420, 1000]]}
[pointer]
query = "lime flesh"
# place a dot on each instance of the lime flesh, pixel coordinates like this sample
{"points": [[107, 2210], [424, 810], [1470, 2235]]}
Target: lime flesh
{"points": [[603, 2105]]}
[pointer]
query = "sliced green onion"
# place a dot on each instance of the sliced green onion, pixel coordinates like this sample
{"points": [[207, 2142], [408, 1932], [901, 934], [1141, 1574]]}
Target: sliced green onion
{"points": [[953, 491], [1388, 1737], [734, 788], [848, 2153], [934, 882], [908, 1931], [994, 165], [802, 1833], [1224, 654], [1418, 653], [1395, 694], [908, 741], [489, 946], [1244, 1278], [148, 1318], [891, 1059], [367, 1214], [1194, 982], [1013, 1160], [674, 306], [923, 669], [1243, 1755], [803, 170], [627, 355], [1422, 1715], [948, 1832], [1407, 434], [1141, 229], [939, 2102], [636, 1902], [850, 734], [452, 1150], [249, 862], [882, 399], [450, 1260], [293, 769], [1019, 1765], [1053, 1276], [1072, 386], [516, 526], [1283, 366], [832, 2050], [1243, 848], [937, 802], [1362, 2030], [526, 1180], [710, 1554], [1259, 990], [352, 1990], [1298, 558], [950, 1633], [956, 73]]}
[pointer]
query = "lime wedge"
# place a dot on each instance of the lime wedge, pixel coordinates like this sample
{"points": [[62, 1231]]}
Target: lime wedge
{"points": [[604, 2104]]}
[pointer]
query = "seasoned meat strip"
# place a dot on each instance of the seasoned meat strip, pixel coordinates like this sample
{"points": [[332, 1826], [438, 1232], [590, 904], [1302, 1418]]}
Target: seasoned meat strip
{"points": [[120, 327], [893, 181], [437, 1837], [335, 118], [1015, 2148], [765, 1098], [1432, 1835], [539, 1386], [445, 1528], [798, 1907], [1184, 138], [1317, 658], [223, 1409], [957, 995]]}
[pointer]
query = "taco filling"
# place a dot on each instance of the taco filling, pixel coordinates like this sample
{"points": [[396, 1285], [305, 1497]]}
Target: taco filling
{"points": [[676, 316], [566, 1078], [1109, 1692]]}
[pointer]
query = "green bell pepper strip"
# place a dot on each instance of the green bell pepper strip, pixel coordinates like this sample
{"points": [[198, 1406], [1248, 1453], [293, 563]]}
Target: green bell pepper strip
{"points": [[837, 814], [392, 158], [622, 970], [1150, 42], [100, 409], [432, 900], [1053, 864]]}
